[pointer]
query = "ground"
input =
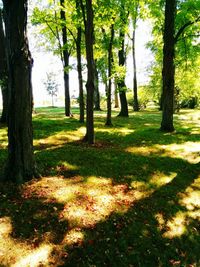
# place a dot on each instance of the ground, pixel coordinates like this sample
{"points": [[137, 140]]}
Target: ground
{"points": [[132, 199]]}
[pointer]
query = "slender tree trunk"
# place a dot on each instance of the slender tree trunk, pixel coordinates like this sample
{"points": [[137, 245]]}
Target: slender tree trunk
{"points": [[88, 17], [65, 60], [168, 71], [121, 83], [80, 77], [20, 163], [135, 90], [116, 94], [3, 71], [110, 60], [96, 90]]}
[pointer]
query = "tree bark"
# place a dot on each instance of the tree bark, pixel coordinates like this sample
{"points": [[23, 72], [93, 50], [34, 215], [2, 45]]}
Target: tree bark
{"points": [[135, 90], [66, 56], [88, 17], [168, 71], [80, 77], [110, 60], [96, 89], [121, 83], [20, 164], [116, 94], [3, 71]]}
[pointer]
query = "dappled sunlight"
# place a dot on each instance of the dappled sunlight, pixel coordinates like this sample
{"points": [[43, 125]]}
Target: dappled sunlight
{"points": [[178, 224], [86, 201], [159, 179], [176, 227], [16, 253], [123, 131], [74, 236], [190, 199], [189, 151], [59, 139], [145, 150], [3, 138], [36, 258]]}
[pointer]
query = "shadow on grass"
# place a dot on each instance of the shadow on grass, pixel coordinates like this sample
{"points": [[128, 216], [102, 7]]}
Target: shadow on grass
{"points": [[159, 229]]}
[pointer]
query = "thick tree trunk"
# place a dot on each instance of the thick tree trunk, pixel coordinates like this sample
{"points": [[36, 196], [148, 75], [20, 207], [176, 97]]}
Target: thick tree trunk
{"points": [[135, 91], [110, 60], [80, 77], [168, 67], [65, 61], [121, 83], [3, 71], [21, 163]]}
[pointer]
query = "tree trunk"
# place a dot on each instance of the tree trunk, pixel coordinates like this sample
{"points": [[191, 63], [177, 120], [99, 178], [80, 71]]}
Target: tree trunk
{"points": [[21, 163], [65, 60], [88, 17], [168, 67], [80, 77], [116, 94], [96, 90], [3, 71], [121, 83], [135, 90], [110, 60]]}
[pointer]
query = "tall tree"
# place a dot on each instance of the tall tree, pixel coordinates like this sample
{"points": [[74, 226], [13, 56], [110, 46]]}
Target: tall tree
{"points": [[110, 63], [122, 58], [20, 164], [55, 37], [79, 61], [88, 17], [65, 58], [3, 71], [168, 70], [134, 14]]}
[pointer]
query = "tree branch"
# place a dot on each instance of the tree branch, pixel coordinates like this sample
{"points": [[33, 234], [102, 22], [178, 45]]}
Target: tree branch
{"points": [[181, 30]]}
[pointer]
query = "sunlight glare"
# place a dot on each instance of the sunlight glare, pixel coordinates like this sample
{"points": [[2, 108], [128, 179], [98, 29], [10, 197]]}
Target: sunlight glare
{"points": [[36, 258]]}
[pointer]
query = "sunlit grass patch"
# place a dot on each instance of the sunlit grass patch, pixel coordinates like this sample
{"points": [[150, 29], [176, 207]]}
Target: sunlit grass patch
{"points": [[86, 201], [16, 253]]}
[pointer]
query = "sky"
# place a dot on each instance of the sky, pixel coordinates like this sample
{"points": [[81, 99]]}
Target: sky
{"points": [[47, 62]]}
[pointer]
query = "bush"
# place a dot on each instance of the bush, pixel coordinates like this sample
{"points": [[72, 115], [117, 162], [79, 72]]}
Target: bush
{"points": [[191, 102]]}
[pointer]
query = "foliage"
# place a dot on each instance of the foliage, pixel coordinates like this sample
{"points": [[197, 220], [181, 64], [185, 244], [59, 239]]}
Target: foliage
{"points": [[51, 85]]}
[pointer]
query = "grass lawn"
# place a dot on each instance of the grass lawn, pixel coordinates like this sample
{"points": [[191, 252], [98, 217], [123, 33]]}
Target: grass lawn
{"points": [[130, 200]]}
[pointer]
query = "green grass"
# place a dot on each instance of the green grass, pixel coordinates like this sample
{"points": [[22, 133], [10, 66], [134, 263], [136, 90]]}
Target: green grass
{"points": [[131, 199]]}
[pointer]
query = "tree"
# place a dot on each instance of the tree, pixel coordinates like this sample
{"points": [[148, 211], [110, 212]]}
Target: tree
{"points": [[65, 58], [122, 58], [110, 63], [20, 164], [172, 35], [55, 37], [88, 17], [3, 71], [134, 14], [51, 86], [168, 70]]}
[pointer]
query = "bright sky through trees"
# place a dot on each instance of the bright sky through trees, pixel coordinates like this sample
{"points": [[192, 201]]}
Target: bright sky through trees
{"points": [[45, 62]]}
